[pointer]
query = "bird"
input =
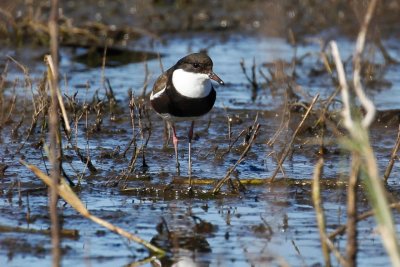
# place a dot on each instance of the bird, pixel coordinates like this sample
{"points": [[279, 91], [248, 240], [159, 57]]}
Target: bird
{"points": [[184, 93]]}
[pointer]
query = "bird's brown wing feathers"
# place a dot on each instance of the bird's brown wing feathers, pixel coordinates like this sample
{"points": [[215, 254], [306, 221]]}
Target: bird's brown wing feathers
{"points": [[160, 83], [161, 102]]}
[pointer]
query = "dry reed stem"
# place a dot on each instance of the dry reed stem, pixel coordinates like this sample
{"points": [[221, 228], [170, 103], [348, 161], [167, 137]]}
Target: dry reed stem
{"points": [[3, 78], [147, 75], [388, 59], [351, 248], [288, 147], [54, 133], [76, 118], [346, 112], [86, 159], [299, 253], [53, 64], [326, 106], [27, 78], [150, 259], [393, 157], [316, 196], [253, 79], [360, 140], [54, 70], [275, 156], [103, 66], [217, 187], [365, 101], [232, 143], [70, 233], [342, 261], [144, 127], [8, 113], [341, 229], [65, 191], [229, 129], [132, 108], [35, 118]]}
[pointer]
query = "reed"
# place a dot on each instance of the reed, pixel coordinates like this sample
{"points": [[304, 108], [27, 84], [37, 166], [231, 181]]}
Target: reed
{"points": [[359, 144], [66, 192]]}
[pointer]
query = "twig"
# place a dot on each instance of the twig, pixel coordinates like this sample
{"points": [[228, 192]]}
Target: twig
{"points": [[232, 143], [64, 232], [5, 118], [288, 147], [160, 62], [65, 191], [112, 101], [365, 101], [146, 79], [54, 134], [388, 59], [275, 156], [351, 248], [27, 78], [132, 107], [346, 113], [103, 67], [149, 132], [229, 129], [341, 229], [299, 253], [360, 139], [253, 79], [316, 196], [144, 261], [42, 109], [335, 251], [85, 159], [241, 158], [54, 69], [392, 157]]}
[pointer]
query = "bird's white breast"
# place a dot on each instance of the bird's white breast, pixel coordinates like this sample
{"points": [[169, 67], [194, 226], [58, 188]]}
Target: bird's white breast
{"points": [[189, 84]]}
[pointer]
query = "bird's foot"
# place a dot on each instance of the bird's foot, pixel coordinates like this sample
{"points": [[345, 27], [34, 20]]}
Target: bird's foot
{"points": [[190, 191], [190, 188]]}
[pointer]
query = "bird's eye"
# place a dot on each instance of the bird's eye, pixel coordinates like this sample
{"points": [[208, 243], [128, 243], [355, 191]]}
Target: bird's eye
{"points": [[196, 65]]}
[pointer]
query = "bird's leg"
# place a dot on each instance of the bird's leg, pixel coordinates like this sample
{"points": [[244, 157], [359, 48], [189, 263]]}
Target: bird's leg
{"points": [[190, 135], [175, 141], [166, 135]]}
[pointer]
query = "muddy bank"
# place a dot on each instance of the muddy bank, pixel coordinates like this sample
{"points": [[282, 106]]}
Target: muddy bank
{"points": [[121, 22]]}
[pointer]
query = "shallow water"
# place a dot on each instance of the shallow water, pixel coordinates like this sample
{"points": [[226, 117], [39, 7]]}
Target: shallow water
{"points": [[267, 225]]}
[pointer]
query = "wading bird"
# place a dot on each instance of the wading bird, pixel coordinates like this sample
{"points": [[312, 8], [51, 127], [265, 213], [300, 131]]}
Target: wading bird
{"points": [[184, 92]]}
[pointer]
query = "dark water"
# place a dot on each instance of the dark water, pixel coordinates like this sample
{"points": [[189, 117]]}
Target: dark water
{"points": [[267, 225]]}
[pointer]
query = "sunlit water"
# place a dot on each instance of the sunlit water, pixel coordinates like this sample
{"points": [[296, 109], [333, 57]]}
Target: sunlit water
{"points": [[241, 237]]}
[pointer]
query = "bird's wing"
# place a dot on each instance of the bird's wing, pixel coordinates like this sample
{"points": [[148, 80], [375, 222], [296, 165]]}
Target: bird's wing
{"points": [[160, 83]]}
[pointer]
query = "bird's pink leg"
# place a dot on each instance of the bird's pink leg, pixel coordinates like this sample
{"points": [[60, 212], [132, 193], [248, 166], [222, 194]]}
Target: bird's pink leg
{"points": [[175, 142], [166, 135], [190, 135]]}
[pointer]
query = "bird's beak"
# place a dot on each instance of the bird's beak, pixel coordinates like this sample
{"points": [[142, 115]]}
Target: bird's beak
{"points": [[214, 77]]}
